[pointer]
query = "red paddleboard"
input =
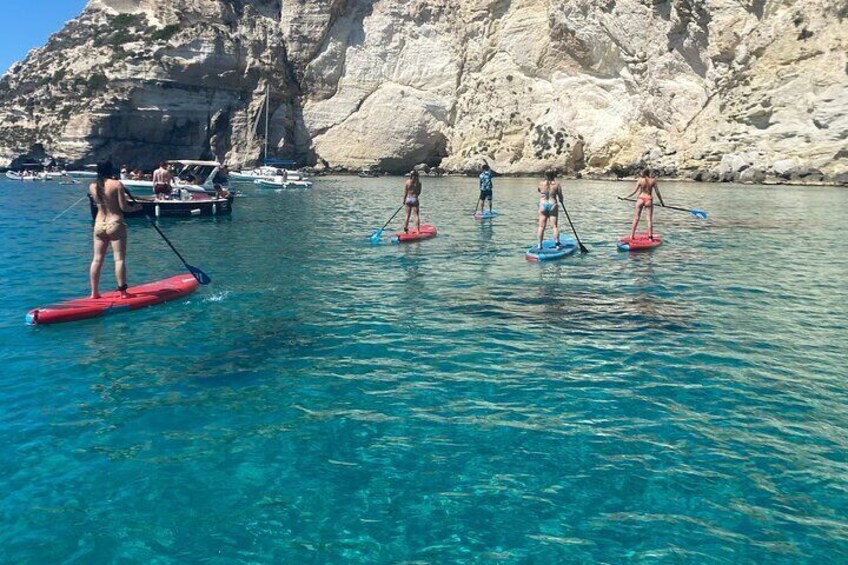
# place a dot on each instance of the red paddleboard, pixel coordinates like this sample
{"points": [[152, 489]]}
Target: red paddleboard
{"points": [[426, 232], [639, 243], [141, 296]]}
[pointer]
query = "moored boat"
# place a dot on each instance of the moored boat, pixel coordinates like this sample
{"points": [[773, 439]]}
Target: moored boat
{"points": [[194, 176], [90, 173], [267, 173], [24, 176], [282, 182], [196, 205], [368, 173]]}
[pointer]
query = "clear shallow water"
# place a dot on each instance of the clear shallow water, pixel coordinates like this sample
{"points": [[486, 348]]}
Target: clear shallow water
{"points": [[326, 400]]}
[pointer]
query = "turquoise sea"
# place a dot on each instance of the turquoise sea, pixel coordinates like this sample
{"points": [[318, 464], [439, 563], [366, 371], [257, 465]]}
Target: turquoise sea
{"points": [[326, 400]]}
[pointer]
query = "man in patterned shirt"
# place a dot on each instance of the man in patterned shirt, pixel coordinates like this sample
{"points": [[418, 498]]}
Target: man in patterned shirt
{"points": [[485, 189]]}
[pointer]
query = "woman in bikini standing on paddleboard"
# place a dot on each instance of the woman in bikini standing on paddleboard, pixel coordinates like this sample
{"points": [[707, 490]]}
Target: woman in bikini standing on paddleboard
{"points": [[645, 201], [411, 193], [109, 226], [550, 192]]}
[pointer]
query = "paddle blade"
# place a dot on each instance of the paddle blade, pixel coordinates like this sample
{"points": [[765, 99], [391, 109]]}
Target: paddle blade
{"points": [[201, 277], [700, 214], [583, 249], [376, 236]]}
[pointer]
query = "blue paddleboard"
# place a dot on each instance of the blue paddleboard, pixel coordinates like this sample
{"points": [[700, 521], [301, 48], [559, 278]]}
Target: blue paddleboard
{"points": [[486, 215], [549, 251]]}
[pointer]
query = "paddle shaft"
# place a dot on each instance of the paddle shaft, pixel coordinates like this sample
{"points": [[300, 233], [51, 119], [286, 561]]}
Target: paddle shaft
{"points": [[171, 245], [659, 194], [574, 231], [380, 231], [661, 205]]}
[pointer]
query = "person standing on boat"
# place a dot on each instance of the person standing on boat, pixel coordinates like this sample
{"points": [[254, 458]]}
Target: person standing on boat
{"points": [[223, 175], [550, 192], [109, 227], [162, 179], [645, 186], [485, 188], [411, 194]]}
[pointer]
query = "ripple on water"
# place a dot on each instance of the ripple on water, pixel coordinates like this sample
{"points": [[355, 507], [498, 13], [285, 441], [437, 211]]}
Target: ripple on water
{"points": [[330, 400]]}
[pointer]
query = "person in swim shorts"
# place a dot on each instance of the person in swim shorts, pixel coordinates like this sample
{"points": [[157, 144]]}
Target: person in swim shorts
{"points": [[109, 226], [645, 186], [550, 191], [486, 189], [411, 194], [162, 179]]}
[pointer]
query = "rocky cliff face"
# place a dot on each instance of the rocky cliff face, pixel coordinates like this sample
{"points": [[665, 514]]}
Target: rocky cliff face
{"points": [[728, 88]]}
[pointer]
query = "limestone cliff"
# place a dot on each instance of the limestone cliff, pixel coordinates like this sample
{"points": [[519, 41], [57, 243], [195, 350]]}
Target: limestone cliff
{"points": [[730, 89]]}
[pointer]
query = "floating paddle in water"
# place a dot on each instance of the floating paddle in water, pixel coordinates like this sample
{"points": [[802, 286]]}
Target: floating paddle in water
{"points": [[583, 249], [700, 214], [375, 237], [201, 277], [68, 209]]}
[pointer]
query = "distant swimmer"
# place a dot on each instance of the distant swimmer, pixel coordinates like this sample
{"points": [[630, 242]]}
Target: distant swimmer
{"points": [[486, 189], [109, 226], [645, 186], [162, 179], [550, 191], [411, 196]]}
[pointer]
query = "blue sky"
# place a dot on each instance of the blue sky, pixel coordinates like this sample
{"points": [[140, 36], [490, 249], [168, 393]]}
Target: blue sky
{"points": [[28, 24]]}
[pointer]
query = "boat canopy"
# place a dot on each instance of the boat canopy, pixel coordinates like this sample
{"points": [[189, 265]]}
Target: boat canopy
{"points": [[192, 162]]}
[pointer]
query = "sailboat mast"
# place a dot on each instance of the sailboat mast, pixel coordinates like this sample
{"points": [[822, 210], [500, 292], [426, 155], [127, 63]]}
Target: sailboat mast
{"points": [[267, 117]]}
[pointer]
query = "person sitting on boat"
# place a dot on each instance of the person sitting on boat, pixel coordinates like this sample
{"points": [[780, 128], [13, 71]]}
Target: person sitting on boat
{"points": [[411, 194], [135, 175], [486, 188], [162, 179], [221, 192], [550, 192], [125, 172], [645, 186], [109, 227]]}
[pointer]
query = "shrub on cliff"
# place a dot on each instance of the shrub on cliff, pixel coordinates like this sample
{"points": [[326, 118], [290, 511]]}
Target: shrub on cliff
{"points": [[165, 33]]}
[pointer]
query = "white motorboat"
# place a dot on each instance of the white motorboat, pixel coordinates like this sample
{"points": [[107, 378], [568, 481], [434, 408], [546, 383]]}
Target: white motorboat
{"points": [[25, 175], [91, 173], [267, 173], [189, 175], [282, 182]]}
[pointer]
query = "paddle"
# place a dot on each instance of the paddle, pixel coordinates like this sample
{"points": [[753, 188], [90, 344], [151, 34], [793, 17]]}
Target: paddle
{"points": [[583, 249], [375, 237], [700, 214], [659, 194], [201, 277], [68, 209]]}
